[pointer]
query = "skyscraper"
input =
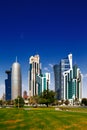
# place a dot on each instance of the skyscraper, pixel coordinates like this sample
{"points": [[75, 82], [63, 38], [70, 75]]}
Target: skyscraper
{"points": [[77, 76], [16, 80], [68, 80], [35, 69], [8, 85], [43, 81], [64, 65], [73, 84]]}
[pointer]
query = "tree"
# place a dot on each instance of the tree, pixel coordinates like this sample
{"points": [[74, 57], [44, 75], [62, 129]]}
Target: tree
{"points": [[19, 102], [8, 102], [76, 101], [84, 101], [62, 102], [1, 102], [47, 97], [33, 100], [66, 102]]}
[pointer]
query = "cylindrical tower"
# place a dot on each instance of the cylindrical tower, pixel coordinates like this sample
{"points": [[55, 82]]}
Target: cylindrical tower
{"points": [[16, 80]]}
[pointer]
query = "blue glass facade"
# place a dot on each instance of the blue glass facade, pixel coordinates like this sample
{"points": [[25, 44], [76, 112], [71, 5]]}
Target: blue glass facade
{"points": [[68, 79], [8, 86], [57, 77], [64, 65]]}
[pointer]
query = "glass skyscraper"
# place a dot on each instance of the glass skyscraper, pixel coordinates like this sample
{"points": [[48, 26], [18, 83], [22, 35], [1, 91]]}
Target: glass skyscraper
{"points": [[43, 81], [8, 85], [68, 80], [73, 84], [64, 65]]}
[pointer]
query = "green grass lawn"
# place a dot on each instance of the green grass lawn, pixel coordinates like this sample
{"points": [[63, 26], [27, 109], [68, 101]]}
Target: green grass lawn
{"points": [[43, 119]]}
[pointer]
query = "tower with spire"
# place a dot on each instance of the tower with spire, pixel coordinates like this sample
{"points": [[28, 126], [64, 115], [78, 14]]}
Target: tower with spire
{"points": [[16, 80]]}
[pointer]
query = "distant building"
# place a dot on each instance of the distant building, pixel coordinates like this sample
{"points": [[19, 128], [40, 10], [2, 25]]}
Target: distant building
{"points": [[8, 85], [25, 96], [16, 80], [43, 81], [35, 69], [68, 80]]}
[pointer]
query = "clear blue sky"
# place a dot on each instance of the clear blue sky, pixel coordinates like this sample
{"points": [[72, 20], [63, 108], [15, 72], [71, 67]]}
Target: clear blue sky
{"points": [[52, 29]]}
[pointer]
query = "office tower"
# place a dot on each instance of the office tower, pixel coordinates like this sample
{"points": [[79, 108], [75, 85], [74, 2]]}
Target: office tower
{"points": [[73, 84], [77, 76], [43, 81], [64, 66], [35, 68], [16, 80], [68, 80], [57, 78], [8, 85]]}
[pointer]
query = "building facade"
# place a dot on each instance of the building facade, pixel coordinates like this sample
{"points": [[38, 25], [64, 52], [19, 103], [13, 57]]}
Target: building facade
{"points": [[68, 80], [16, 81], [35, 69], [73, 84], [64, 65], [8, 85], [25, 96], [43, 81]]}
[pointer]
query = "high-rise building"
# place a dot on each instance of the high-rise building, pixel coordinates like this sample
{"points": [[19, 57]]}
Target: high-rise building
{"points": [[16, 81], [43, 81], [35, 69], [57, 78], [64, 65], [8, 85], [73, 84], [68, 80]]}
